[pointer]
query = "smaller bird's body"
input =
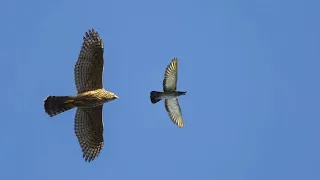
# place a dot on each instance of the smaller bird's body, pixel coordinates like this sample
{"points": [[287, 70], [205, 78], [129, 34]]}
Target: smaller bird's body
{"points": [[156, 96], [170, 94]]}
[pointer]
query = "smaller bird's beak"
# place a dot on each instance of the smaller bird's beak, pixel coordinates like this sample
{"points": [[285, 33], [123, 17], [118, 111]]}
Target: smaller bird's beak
{"points": [[115, 96]]}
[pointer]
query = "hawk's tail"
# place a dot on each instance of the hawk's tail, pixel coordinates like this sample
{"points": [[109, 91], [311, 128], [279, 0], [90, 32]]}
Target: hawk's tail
{"points": [[54, 105], [155, 96]]}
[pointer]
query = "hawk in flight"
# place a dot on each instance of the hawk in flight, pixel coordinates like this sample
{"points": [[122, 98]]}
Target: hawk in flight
{"points": [[89, 100], [170, 94]]}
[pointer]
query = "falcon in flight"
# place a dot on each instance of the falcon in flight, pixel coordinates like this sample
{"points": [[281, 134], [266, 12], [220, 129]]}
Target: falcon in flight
{"points": [[89, 100], [170, 94]]}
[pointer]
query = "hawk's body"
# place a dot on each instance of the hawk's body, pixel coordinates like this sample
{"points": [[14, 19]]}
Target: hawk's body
{"points": [[170, 93], [90, 97]]}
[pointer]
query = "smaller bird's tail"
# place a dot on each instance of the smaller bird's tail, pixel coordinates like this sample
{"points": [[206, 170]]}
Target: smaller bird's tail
{"points": [[155, 96], [54, 105]]}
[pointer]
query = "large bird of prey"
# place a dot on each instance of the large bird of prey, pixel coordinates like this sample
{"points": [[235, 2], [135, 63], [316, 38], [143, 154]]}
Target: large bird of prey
{"points": [[89, 100], [170, 94]]}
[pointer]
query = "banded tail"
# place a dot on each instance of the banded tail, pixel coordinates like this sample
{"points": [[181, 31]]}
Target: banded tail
{"points": [[55, 105], [155, 96]]}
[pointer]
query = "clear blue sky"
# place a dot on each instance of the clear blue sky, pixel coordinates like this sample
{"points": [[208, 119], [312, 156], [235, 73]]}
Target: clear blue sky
{"points": [[251, 70]]}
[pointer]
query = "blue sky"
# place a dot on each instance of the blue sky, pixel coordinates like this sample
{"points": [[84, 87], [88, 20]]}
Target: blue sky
{"points": [[251, 70]]}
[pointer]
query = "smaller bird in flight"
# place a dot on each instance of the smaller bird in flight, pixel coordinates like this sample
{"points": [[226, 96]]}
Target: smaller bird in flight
{"points": [[170, 93]]}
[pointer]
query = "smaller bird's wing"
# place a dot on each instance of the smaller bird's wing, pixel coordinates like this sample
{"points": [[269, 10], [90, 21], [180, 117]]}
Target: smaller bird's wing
{"points": [[174, 111], [171, 76], [89, 67], [88, 128]]}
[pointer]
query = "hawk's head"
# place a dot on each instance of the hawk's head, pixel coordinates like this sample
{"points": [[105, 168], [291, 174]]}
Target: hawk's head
{"points": [[110, 96], [113, 96]]}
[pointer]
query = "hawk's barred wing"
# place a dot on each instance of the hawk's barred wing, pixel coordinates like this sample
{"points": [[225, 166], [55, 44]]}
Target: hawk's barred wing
{"points": [[88, 128], [89, 67], [174, 111], [171, 76]]}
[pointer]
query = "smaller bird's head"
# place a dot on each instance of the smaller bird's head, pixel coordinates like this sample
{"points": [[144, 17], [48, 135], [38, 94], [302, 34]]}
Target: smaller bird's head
{"points": [[182, 93]]}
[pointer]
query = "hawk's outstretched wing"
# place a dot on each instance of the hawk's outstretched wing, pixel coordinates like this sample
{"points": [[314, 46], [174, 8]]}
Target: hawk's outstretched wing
{"points": [[88, 128], [171, 76], [89, 67], [174, 111]]}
